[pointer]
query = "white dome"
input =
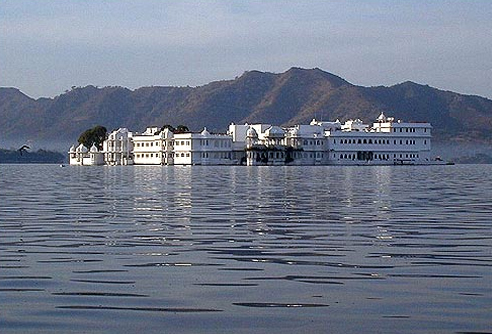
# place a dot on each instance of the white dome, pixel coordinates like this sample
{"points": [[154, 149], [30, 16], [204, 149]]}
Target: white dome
{"points": [[382, 117], [94, 148], [251, 133], [81, 149], [205, 132], [72, 149]]}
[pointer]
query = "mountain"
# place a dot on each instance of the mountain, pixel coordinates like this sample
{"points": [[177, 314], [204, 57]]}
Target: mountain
{"points": [[295, 96]]}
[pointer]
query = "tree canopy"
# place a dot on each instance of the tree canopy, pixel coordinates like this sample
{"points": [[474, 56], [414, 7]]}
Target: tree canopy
{"points": [[96, 136], [179, 129], [168, 126]]}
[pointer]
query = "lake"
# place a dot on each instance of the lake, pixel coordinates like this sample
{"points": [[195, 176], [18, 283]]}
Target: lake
{"points": [[151, 249]]}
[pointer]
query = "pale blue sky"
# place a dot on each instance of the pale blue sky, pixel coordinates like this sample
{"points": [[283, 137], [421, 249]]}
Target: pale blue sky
{"points": [[47, 46]]}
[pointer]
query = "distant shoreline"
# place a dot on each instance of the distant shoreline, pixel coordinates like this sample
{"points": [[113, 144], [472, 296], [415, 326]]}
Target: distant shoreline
{"points": [[28, 157]]}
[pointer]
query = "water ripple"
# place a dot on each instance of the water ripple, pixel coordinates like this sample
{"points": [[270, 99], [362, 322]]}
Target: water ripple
{"points": [[237, 249]]}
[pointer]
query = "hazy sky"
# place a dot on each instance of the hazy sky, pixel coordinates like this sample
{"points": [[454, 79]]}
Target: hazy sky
{"points": [[47, 46]]}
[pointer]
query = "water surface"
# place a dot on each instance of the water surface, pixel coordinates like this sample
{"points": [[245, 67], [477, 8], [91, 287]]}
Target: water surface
{"points": [[245, 249]]}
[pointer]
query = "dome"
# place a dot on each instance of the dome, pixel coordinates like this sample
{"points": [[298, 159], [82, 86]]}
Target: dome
{"points": [[251, 133], [81, 149], [94, 149], [381, 118], [205, 132], [72, 149]]}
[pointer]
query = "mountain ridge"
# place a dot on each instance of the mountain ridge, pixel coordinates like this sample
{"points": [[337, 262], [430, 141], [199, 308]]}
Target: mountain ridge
{"points": [[291, 97]]}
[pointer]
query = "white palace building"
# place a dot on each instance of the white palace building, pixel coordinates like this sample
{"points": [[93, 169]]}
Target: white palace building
{"points": [[386, 142]]}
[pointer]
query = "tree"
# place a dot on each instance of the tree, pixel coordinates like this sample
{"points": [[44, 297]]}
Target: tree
{"points": [[182, 129], [168, 126], [96, 136]]}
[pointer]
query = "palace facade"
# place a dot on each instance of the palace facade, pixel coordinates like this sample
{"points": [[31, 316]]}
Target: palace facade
{"points": [[386, 142]]}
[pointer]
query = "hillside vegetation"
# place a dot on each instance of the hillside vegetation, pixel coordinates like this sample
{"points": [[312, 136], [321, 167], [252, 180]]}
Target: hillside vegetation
{"points": [[295, 96]]}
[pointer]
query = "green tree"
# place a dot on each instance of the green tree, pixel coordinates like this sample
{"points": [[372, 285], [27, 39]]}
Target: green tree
{"points": [[182, 129], [170, 127], [96, 136]]}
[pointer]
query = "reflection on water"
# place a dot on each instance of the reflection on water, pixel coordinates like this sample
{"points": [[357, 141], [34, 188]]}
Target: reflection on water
{"points": [[245, 249]]}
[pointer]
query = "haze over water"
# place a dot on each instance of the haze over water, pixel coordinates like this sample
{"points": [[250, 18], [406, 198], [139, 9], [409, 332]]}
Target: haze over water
{"points": [[245, 249]]}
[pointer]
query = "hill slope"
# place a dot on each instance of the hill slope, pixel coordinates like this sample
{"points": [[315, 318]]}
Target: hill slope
{"points": [[295, 96]]}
